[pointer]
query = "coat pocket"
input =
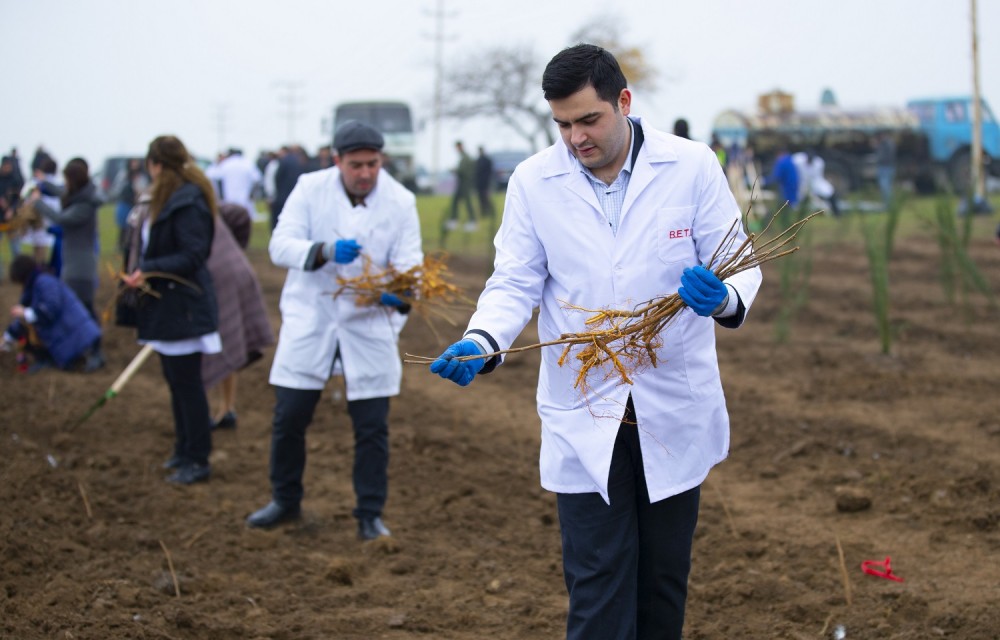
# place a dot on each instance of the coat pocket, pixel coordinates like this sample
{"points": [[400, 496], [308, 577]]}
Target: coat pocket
{"points": [[674, 234]]}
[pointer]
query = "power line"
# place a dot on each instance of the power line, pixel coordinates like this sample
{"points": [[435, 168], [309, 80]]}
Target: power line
{"points": [[438, 15], [290, 98]]}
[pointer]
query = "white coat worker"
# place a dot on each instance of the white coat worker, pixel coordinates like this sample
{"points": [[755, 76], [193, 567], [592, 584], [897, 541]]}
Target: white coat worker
{"points": [[236, 176], [614, 215], [816, 183], [335, 220]]}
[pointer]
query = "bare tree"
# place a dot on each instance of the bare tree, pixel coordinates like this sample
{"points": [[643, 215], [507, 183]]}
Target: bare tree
{"points": [[503, 83], [605, 30]]}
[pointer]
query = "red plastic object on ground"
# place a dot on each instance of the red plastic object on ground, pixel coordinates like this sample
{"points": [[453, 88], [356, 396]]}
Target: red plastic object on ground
{"points": [[880, 569]]}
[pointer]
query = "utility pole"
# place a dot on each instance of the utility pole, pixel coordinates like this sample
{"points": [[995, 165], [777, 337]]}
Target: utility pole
{"points": [[290, 98], [221, 118], [978, 179], [439, 14]]}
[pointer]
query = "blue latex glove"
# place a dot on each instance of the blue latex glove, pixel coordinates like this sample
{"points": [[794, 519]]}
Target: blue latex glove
{"points": [[342, 251], [391, 300], [400, 304], [459, 372], [703, 291]]}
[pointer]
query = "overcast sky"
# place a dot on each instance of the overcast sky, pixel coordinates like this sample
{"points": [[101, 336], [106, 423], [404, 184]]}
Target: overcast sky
{"points": [[101, 77]]}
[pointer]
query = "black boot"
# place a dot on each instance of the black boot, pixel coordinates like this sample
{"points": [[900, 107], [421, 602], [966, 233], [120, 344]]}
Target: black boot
{"points": [[273, 514]]}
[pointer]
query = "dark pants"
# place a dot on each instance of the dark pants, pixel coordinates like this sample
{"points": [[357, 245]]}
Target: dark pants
{"points": [[485, 201], [292, 415], [192, 422], [462, 194], [626, 564]]}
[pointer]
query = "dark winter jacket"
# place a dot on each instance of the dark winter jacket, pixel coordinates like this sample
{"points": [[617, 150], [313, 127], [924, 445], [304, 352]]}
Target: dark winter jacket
{"points": [[62, 323], [290, 167], [78, 220], [180, 241]]}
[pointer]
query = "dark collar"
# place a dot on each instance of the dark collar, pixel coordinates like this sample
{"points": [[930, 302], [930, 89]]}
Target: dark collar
{"points": [[356, 200], [639, 137]]}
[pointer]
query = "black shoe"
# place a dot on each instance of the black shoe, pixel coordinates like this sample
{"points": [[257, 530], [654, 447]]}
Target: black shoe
{"points": [[175, 462], [227, 421], [272, 515], [190, 473], [371, 528]]}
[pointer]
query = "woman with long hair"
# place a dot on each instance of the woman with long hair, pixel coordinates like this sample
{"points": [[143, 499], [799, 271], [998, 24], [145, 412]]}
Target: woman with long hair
{"points": [[177, 312], [78, 220]]}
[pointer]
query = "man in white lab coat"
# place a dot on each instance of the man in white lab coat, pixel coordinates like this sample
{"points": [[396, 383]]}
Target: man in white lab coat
{"points": [[613, 215], [334, 222], [236, 177]]}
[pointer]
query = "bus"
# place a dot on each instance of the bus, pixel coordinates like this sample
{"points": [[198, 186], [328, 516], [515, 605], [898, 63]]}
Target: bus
{"points": [[395, 121]]}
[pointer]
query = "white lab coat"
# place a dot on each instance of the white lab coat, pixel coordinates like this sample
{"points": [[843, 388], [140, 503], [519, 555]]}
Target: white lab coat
{"points": [[819, 186], [801, 161], [237, 176], [555, 247], [314, 324]]}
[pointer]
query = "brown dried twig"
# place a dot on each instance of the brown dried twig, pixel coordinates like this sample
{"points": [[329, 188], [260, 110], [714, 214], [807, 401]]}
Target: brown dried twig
{"points": [[627, 339], [844, 576], [143, 289], [426, 287], [86, 502], [25, 217], [170, 565]]}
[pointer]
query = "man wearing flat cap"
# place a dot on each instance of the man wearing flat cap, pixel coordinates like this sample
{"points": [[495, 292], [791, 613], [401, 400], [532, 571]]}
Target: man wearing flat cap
{"points": [[337, 223]]}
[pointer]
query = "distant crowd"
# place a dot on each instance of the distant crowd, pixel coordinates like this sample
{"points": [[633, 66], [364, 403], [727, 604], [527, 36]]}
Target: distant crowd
{"points": [[49, 219]]}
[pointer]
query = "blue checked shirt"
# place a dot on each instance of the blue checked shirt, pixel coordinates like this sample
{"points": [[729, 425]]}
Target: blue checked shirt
{"points": [[612, 196]]}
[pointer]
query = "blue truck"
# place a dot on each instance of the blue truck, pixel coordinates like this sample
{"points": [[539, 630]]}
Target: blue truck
{"points": [[947, 124], [933, 139]]}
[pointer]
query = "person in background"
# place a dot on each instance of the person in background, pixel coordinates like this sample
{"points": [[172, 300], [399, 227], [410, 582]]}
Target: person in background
{"points": [[52, 321], [41, 154], [291, 165], [244, 327], [339, 222], [243, 323], [681, 128], [267, 182], [130, 182], [484, 183], [885, 162], [322, 160], [237, 176], [615, 213], [11, 182], [817, 184], [720, 151], [77, 218], [44, 236], [786, 175], [800, 159], [464, 175], [179, 318]]}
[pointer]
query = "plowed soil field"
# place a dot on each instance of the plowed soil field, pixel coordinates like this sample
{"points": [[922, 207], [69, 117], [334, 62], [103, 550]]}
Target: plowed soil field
{"points": [[836, 448]]}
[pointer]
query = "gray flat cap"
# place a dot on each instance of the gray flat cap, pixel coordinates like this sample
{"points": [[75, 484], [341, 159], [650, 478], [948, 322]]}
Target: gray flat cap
{"points": [[354, 135]]}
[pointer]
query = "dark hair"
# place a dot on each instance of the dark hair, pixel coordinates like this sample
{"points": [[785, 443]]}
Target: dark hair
{"points": [[47, 165], [178, 167], [681, 128], [77, 175], [575, 67], [21, 268]]}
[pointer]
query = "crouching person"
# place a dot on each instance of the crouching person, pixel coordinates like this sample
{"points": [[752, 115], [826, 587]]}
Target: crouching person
{"points": [[57, 328]]}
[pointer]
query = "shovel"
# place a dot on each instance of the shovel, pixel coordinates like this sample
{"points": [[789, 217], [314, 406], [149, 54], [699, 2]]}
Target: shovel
{"points": [[123, 378]]}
